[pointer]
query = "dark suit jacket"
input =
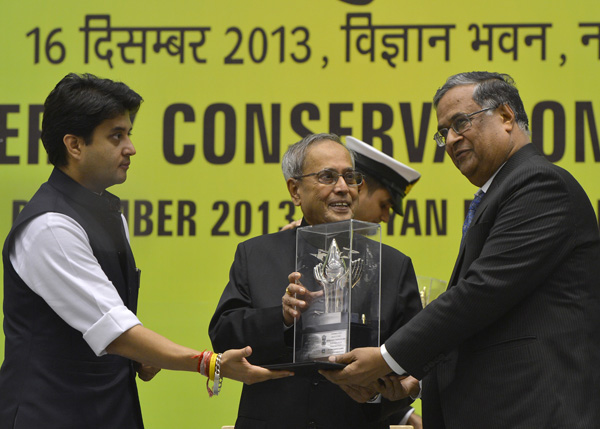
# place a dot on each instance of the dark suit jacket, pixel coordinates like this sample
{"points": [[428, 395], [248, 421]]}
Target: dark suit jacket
{"points": [[249, 313], [515, 340]]}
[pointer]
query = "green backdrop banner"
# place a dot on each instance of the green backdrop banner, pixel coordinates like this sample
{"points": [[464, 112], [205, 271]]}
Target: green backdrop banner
{"points": [[229, 85]]}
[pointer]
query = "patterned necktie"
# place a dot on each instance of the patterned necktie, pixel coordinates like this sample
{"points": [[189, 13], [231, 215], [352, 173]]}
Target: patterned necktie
{"points": [[471, 212]]}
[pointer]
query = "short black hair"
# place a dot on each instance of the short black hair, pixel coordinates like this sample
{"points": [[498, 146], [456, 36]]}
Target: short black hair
{"points": [[373, 184], [77, 105]]}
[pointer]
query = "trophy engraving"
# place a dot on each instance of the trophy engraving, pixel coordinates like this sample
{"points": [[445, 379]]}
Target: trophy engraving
{"points": [[333, 276]]}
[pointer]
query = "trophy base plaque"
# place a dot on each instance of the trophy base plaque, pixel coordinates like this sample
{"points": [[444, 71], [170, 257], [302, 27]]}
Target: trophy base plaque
{"points": [[308, 369]]}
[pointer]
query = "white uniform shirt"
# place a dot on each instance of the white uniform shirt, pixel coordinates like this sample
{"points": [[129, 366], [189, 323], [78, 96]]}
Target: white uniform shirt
{"points": [[53, 256]]}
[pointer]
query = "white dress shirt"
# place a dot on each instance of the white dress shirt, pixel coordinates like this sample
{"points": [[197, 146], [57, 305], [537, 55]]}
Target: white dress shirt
{"points": [[53, 256]]}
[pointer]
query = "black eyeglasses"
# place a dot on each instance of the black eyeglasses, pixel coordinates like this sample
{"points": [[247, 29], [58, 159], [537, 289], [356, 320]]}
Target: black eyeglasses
{"points": [[460, 124], [330, 177]]}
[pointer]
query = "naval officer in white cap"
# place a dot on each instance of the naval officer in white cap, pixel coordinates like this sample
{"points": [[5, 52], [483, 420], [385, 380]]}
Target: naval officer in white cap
{"points": [[386, 182]]}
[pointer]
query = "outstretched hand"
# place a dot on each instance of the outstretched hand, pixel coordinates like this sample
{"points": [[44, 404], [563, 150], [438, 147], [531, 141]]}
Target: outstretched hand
{"points": [[396, 387], [296, 299], [365, 366], [235, 366], [358, 393], [292, 225]]}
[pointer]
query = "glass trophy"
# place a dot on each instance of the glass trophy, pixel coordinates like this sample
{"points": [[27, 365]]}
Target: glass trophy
{"points": [[430, 288], [340, 265]]}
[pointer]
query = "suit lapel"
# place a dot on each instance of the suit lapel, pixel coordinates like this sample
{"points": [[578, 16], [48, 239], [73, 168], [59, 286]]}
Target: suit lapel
{"points": [[459, 260], [513, 162]]}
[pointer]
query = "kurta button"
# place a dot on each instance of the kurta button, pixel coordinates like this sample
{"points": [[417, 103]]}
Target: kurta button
{"points": [[315, 383]]}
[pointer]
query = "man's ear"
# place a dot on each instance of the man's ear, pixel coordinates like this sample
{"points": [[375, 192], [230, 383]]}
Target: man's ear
{"points": [[508, 116], [293, 186], [73, 145], [363, 187]]}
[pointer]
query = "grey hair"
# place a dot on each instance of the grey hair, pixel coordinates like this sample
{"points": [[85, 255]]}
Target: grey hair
{"points": [[292, 163], [491, 90]]}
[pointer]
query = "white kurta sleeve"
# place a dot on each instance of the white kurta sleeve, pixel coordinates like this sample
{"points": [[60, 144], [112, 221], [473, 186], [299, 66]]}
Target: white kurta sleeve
{"points": [[53, 256]]}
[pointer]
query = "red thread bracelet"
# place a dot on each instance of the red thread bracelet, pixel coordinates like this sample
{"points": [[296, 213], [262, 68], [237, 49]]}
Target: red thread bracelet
{"points": [[199, 357]]}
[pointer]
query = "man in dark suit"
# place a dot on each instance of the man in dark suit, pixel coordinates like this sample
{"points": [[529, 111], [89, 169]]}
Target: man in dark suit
{"points": [[386, 182], [255, 308], [515, 340]]}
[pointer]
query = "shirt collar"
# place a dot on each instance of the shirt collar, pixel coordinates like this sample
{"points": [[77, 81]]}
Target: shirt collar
{"points": [[487, 184]]}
